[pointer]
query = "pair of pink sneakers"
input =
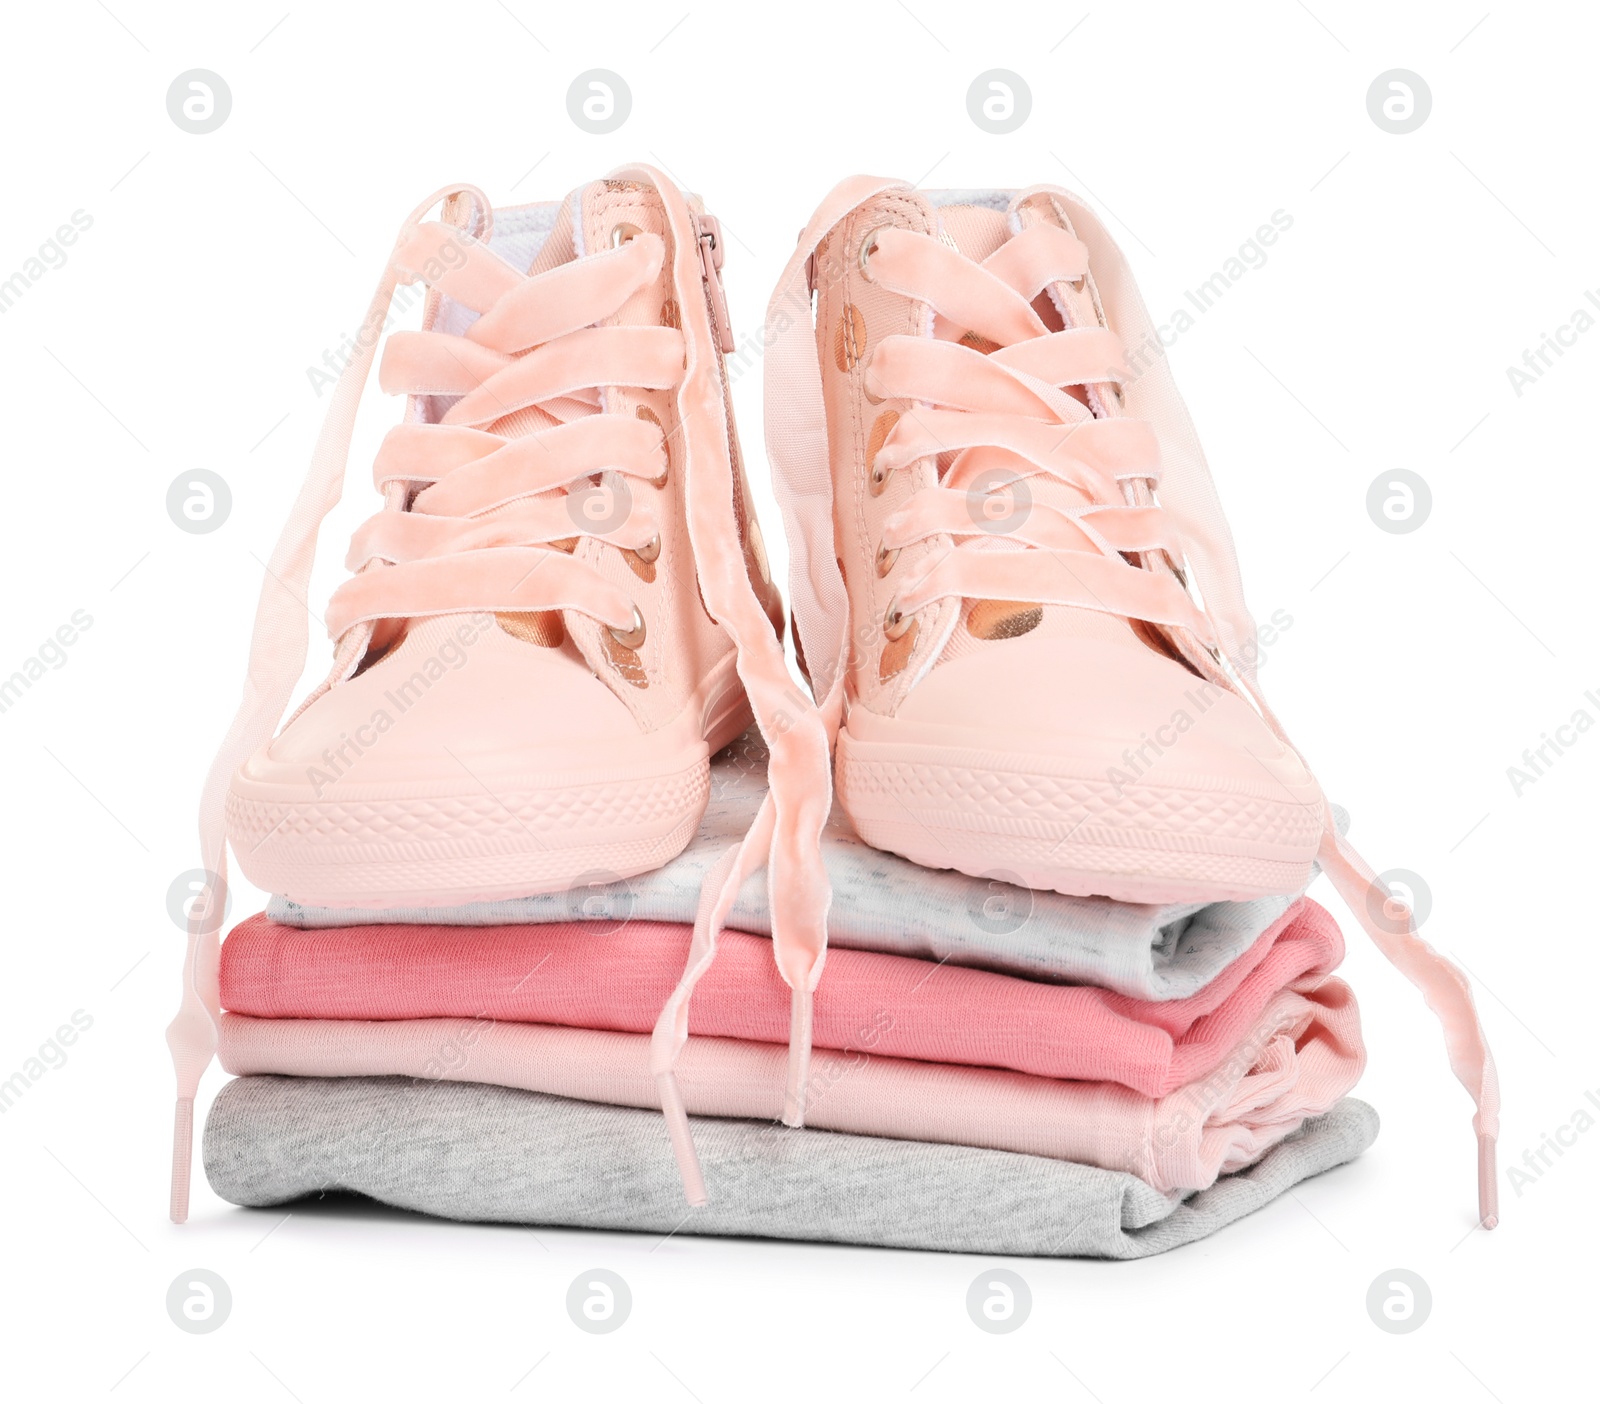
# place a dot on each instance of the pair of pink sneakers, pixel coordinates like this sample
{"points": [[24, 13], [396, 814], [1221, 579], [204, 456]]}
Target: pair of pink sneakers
{"points": [[1015, 595]]}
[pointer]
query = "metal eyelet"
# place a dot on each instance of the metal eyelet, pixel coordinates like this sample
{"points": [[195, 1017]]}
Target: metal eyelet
{"points": [[886, 560], [624, 233], [895, 623], [877, 479], [630, 638], [868, 244], [650, 550]]}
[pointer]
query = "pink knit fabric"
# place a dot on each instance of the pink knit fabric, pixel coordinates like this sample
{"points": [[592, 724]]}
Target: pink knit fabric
{"points": [[576, 975], [1297, 1060]]}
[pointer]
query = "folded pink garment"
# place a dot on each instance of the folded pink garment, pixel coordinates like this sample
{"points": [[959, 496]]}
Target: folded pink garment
{"points": [[573, 974], [1301, 1055]]}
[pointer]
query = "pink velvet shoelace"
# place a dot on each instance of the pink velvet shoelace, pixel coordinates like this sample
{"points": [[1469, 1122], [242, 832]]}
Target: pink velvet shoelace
{"points": [[1004, 409], [1003, 416], [534, 351], [534, 347]]}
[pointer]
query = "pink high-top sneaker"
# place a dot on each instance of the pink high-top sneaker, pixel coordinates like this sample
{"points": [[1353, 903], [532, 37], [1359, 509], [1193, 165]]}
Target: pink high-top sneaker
{"points": [[1030, 689], [1013, 588], [561, 612], [527, 686]]}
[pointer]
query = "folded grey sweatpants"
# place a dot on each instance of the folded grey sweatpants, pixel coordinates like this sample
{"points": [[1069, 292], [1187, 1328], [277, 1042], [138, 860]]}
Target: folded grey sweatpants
{"points": [[501, 1155]]}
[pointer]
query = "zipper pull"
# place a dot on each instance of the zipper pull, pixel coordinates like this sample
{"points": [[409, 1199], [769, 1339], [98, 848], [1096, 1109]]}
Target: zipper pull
{"points": [[710, 231]]}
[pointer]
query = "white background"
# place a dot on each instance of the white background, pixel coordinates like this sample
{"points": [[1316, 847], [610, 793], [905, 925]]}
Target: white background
{"points": [[219, 267]]}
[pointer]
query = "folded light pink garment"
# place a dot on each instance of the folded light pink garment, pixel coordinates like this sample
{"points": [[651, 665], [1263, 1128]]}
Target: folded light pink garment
{"points": [[577, 975], [1298, 1059]]}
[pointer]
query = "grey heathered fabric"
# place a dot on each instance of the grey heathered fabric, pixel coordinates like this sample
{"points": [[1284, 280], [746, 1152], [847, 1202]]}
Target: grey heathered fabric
{"points": [[496, 1154], [885, 903]]}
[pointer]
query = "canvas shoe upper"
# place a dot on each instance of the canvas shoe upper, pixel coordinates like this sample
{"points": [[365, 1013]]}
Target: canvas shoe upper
{"points": [[527, 685], [1031, 692], [1014, 591]]}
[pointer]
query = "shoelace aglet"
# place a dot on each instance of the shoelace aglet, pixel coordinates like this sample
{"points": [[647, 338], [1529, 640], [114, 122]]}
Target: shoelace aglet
{"points": [[182, 1157], [1488, 1183], [794, 1094], [677, 1119]]}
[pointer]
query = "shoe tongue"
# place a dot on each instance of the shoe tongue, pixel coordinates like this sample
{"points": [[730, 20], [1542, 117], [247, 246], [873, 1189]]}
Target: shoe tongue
{"points": [[976, 231], [583, 224], [559, 247], [535, 239], [587, 223]]}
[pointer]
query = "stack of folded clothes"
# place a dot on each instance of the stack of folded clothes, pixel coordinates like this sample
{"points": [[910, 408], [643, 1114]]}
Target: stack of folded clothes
{"points": [[1032, 673], [996, 1070]]}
